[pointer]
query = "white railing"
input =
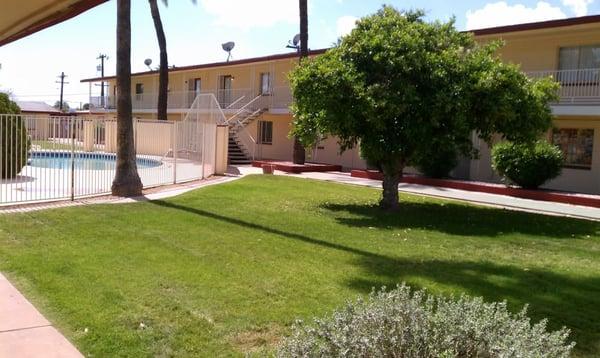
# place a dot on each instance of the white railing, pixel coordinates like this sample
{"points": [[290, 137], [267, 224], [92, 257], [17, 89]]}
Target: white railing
{"points": [[229, 100], [577, 86], [53, 158]]}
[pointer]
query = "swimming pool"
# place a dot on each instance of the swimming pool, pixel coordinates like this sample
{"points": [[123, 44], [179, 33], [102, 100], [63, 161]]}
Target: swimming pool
{"points": [[83, 161]]}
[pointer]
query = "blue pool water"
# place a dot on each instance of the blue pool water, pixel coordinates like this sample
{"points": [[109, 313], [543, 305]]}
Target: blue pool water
{"points": [[85, 161]]}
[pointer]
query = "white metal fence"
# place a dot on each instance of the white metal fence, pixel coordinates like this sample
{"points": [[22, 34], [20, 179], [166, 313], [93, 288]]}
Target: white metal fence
{"points": [[50, 158]]}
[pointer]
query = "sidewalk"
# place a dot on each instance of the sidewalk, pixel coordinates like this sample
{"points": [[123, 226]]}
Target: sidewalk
{"points": [[24, 332], [502, 201]]}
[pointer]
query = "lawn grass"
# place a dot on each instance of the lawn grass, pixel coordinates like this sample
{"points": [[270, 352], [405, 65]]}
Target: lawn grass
{"points": [[226, 269]]}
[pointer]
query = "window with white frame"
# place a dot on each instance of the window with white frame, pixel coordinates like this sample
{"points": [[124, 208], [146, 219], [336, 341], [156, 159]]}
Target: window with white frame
{"points": [[265, 132], [265, 83], [577, 146]]}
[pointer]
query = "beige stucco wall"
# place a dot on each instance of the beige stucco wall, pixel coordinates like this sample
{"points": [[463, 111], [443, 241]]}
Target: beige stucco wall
{"points": [[538, 50], [575, 180], [282, 146], [327, 151]]}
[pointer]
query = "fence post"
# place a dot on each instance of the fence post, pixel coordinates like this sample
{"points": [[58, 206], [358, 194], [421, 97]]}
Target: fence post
{"points": [[73, 159], [203, 146], [174, 142]]}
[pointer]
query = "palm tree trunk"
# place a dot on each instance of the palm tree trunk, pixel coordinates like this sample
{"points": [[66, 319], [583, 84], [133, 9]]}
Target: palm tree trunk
{"points": [[303, 29], [127, 181], [163, 78], [299, 156]]}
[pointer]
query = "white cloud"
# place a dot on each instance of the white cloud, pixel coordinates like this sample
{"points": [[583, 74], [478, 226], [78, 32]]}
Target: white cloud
{"points": [[500, 14], [252, 14], [345, 24], [578, 7]]}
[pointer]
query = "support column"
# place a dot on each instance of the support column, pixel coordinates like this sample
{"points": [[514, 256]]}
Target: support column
{"points": [[221, 149]]}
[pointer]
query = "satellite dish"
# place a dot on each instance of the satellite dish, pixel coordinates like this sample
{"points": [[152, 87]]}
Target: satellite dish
{"points": [[148, 62], [227, 47], [294, 43]]}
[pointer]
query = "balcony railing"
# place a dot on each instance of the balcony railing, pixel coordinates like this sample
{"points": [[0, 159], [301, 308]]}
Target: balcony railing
{"points": [[234, 99], [577, 86]]}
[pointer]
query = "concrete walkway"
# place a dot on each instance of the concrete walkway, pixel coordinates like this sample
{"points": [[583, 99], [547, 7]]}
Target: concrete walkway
{"points": [[24, 332], [502, 201]]}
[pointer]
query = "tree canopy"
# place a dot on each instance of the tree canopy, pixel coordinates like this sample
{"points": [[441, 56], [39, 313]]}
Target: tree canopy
{"points": [[7, 106], [396, 84]]}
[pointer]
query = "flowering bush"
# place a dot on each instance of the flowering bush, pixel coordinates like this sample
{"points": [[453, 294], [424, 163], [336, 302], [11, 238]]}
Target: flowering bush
{"points": [[401, 323]]}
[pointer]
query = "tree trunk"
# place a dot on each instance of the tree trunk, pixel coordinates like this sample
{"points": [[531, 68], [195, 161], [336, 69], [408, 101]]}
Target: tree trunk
{"points": [[392, 174], [299, 156], [163, 77], [303, 29], [127, 181]]}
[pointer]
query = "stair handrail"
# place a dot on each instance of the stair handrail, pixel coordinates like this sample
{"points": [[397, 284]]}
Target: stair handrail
{"points": [[235, 102], [250, 144], [241, 110]]}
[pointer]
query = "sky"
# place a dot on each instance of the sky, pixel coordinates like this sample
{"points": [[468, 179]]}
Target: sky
{"points": [[29, 67]]}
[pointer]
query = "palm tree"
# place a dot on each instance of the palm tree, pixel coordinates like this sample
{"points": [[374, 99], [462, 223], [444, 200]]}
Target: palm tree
{"points": [[127, 181], [163, 77], [299, 155]]}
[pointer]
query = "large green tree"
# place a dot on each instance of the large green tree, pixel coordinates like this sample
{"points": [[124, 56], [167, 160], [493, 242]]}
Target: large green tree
{"points": [[396, 84]]}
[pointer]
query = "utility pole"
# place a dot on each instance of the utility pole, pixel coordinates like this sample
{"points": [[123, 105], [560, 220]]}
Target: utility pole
{"points": [[102, 57], [62, 85]]}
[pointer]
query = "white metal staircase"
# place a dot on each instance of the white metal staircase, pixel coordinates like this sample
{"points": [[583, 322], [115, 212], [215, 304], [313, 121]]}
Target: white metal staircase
{"points": [[242, 145]]}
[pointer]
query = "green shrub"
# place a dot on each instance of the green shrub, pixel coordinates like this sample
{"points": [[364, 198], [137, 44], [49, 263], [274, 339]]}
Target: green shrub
{"points": [[399, 323], [14, 142], [439, 162], [528, 165]]}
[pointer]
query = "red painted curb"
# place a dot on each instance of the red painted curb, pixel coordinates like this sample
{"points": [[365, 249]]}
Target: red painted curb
{"points": [[290, 167], [541, 195]]}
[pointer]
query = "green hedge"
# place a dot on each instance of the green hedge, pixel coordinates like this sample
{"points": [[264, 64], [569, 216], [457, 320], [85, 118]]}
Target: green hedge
{"points": [[528, 165], [439, 162], [14, 142]]}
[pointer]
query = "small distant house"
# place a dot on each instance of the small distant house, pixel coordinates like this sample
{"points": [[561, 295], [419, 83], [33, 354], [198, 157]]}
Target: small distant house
{"points": [[38, 108]]}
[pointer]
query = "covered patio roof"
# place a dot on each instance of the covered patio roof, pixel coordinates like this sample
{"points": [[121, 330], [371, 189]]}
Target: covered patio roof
{"points": [[20, 18]]}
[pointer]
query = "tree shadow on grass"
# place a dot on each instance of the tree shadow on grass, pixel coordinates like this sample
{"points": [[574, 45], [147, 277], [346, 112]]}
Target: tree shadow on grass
{"points": [[464, 220], [565, 300]]}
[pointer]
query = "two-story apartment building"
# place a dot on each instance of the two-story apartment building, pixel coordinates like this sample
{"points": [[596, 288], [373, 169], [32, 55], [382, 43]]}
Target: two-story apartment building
{"points": [[253, 93], [255, 96], [568, 50]]}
